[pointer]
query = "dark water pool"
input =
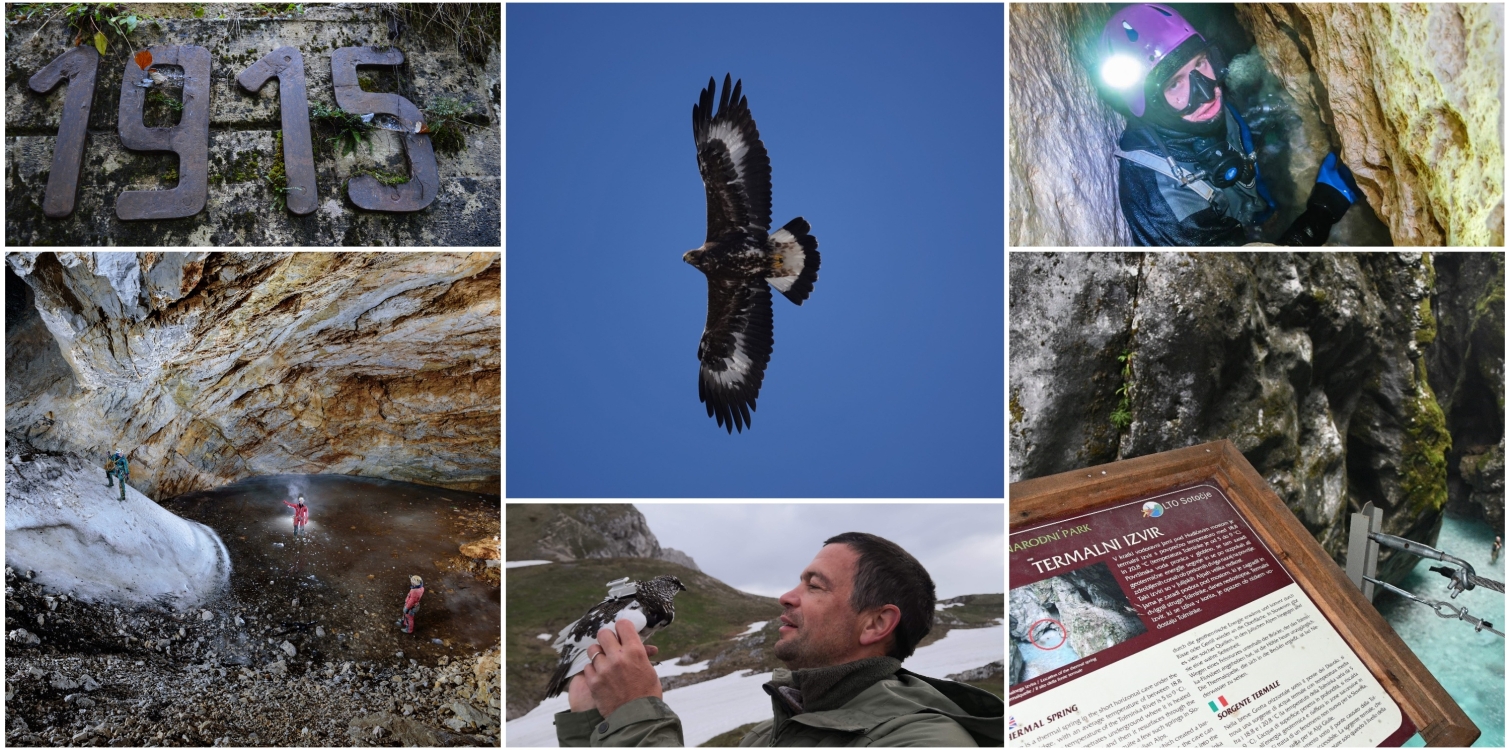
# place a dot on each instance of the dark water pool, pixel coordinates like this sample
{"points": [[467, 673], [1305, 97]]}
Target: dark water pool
{"points": [[350, 570]]}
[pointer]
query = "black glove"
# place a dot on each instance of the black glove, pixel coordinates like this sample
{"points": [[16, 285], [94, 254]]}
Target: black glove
{"points": [[1334, 193]]}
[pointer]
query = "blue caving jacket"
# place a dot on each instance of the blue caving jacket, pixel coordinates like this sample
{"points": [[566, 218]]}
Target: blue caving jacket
{"points": [[1161, 211]]}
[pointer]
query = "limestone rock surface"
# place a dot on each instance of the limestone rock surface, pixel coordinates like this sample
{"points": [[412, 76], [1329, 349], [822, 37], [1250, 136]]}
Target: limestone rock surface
{"points": [[1413, 96], [1314, 365], [1467, 369], [1062, 173], [1484, 475], [207, 368]]}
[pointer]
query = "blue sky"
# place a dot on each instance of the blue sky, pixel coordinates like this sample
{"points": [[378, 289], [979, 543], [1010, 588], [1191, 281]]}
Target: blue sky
{"points": [[884, 127]]}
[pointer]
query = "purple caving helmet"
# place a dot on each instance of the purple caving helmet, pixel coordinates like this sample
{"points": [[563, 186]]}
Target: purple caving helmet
{"points": [[1135, 40]]}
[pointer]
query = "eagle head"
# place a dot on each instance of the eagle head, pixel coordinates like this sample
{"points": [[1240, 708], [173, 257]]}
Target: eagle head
{"points": [[694, 257]]}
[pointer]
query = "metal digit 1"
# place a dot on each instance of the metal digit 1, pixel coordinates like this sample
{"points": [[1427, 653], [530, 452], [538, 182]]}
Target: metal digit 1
{"points": [[190, 138], [78, 65], [424, 176], [298, 151]]}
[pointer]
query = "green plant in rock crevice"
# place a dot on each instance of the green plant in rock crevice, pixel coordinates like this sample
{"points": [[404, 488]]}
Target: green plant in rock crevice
{"points": [[1121, 416], [447, 128], [348, 127], [157, 97], [277, 177], [93, 20]]}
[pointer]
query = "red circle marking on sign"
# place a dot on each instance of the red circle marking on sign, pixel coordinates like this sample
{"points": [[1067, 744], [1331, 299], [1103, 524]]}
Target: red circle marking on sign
{"points": [[1062, 631]]}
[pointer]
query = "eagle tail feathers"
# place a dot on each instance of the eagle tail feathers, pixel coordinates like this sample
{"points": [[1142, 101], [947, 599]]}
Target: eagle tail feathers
{"points": [[795, 252]]}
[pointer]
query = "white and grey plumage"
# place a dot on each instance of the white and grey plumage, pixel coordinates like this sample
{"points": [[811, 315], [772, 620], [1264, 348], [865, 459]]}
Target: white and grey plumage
{"points": [[647, 604]]}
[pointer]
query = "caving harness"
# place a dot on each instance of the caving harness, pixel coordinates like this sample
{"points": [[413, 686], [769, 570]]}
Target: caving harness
{"points": [[1233, 167], [1364, 540]]}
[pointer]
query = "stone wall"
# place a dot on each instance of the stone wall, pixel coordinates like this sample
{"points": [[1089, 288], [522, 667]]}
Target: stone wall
{"points": [[242, 147], [1319, 367]]}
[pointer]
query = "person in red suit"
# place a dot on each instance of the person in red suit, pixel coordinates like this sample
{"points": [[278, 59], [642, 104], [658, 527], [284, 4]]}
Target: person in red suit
{"points": [[301, 514], [411, 603]]}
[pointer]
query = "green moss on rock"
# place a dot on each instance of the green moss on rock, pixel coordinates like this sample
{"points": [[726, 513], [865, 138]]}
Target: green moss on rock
{"points": [[1423, 464]]}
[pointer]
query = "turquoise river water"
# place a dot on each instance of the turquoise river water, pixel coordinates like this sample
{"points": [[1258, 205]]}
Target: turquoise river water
{"points": [[1470, 665]]}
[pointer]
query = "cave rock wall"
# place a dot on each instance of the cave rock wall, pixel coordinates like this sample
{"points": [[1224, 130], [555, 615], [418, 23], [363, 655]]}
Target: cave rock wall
{"points": [[1413, 94], [1061, 168], [1315, 365], [241, 209], [207, 368]]}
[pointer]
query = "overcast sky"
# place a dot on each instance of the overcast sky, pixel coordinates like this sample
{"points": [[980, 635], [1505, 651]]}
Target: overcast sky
{"points": [[761, 548]]}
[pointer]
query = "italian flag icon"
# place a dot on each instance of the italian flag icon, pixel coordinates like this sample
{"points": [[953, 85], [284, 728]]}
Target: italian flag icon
{"points": [[1219, 699]]}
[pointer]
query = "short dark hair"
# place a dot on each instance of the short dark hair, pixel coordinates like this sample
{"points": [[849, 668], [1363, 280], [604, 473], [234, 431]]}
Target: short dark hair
{"points": [[886, 574]]}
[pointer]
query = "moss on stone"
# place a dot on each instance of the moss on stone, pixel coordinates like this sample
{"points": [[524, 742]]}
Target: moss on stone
{"points": [[1016, 407], [246, 167], [1427, 333], [1423, 459]]}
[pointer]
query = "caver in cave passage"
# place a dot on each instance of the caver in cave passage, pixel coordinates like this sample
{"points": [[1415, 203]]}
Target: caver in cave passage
{"points": [[1188, 172]]}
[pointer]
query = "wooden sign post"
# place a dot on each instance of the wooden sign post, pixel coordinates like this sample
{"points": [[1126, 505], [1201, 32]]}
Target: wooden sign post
{"points": [[1174, 600]]}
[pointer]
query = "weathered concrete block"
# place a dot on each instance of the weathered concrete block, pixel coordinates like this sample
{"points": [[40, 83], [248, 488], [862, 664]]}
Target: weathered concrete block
{"points": [[241, 208]]}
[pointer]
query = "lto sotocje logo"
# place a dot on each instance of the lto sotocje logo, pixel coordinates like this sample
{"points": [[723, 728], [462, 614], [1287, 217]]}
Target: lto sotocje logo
{"points": [[1152, 510]]}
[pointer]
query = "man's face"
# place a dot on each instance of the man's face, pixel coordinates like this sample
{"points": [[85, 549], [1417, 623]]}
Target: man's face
{"points": [[818, 627], [1177, 89]]}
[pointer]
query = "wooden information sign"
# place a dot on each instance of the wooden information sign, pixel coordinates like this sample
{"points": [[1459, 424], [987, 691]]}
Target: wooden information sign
{"points": [[1173, 600]]}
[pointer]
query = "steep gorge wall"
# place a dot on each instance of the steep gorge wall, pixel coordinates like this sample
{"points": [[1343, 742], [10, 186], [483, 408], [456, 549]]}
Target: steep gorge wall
{"points": [[1317, 366], [206, 368], [1409, 95], [241, 208]]}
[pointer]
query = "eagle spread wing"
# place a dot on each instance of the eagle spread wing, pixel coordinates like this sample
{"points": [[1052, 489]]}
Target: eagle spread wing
{"points": [[736, 170], [735, 349], [741, 257]]}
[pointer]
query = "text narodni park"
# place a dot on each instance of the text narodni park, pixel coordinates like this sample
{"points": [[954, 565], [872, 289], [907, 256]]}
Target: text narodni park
{"points": [[1097, 549], [191, 137]]}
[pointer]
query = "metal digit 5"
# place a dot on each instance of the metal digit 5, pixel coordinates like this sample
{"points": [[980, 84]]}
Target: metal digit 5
{"points": [[287, 65], [190, 138], [424, 176], [79, 66]]}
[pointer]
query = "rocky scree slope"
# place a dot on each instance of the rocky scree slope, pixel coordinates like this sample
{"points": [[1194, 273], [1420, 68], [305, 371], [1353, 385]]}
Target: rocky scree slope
{"points": [[93, 675], [1317, 366], [210, 367]]}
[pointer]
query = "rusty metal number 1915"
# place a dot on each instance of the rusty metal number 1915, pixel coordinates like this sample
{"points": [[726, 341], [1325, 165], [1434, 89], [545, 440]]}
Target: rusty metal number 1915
{"points": [[190, 138]]}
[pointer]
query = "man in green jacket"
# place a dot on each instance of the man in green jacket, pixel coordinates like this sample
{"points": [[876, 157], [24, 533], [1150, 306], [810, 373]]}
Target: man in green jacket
{"points": [[860, 608]]}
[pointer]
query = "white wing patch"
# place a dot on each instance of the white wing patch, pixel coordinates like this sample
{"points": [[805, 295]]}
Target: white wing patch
{"points": [[786, 248], [736, 366], [632, 613], [733, 140]]}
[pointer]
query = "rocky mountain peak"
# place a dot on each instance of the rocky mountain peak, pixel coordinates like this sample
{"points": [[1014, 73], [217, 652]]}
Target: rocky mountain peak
{"points": [[576, 532]]}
